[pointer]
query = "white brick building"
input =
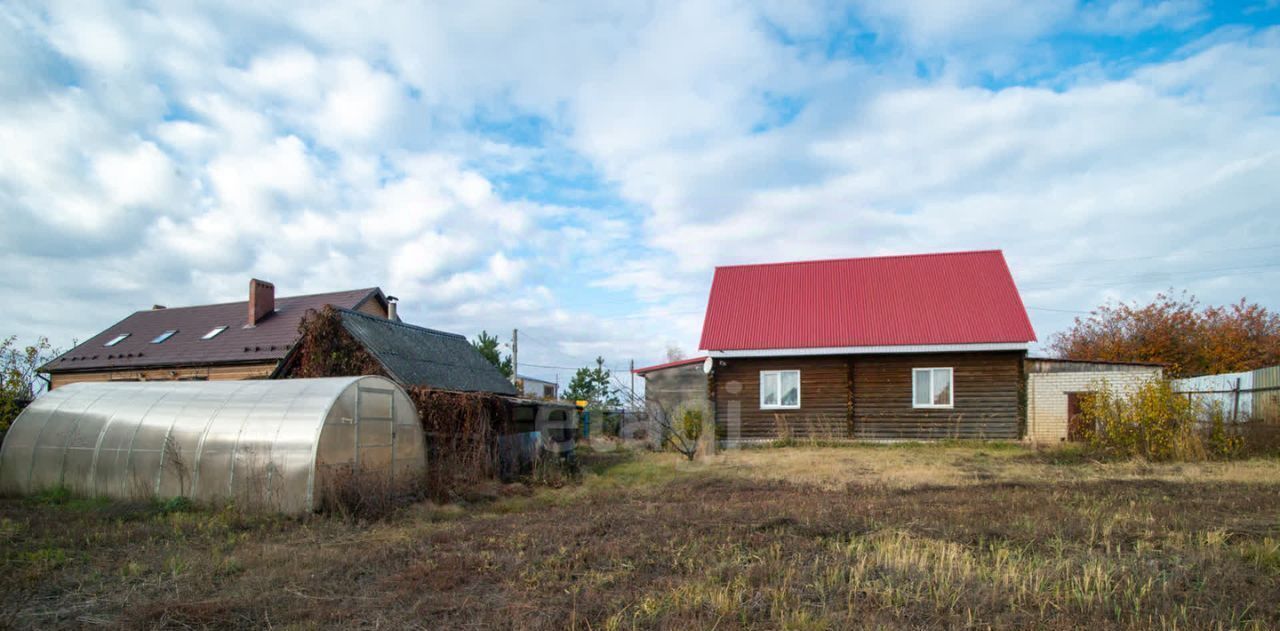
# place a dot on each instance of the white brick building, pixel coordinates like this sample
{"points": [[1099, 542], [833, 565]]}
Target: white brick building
{"points": [[1051, 384]]}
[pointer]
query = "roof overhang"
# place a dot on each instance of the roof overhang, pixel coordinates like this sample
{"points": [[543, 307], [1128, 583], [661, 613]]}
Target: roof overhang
{"points": [[874, 350], [163, 366], [672, 364]]}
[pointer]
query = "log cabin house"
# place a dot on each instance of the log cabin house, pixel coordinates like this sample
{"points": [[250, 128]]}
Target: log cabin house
{"points": [[897, 347]]}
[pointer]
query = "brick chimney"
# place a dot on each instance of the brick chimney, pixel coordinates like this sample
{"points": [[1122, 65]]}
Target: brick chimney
{"points": [[262, 300]]}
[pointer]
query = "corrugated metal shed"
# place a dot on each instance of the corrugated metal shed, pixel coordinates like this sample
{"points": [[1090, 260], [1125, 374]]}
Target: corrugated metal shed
{"points": [[418, 356], [1266, 398], [951, 298]]}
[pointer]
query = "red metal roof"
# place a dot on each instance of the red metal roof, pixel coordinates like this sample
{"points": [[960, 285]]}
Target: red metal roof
{"points": [[948, 298], [678, 362], [270, 340]]}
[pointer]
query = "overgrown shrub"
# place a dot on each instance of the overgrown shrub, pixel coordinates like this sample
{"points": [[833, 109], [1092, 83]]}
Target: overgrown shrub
{"points": [[354, 494], [1221, 441], [1156, 423], [1150, 421], [462, 430], [691, 424]]}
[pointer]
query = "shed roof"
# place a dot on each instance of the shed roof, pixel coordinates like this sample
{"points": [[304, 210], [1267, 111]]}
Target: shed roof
{"points": [[674, 364], [924, 299], [418, 356], [529, 379], [269, 340]]}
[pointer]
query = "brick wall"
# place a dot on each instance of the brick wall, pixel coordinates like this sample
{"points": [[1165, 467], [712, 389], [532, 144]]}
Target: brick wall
{"points": [[1047, 397]]}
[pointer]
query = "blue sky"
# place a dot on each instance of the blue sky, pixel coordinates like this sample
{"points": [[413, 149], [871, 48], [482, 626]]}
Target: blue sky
{"points": [[577, 170]]}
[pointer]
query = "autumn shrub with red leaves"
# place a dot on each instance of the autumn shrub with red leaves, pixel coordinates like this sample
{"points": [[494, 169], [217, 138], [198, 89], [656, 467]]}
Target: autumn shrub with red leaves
{"points": [[1190, 339]]}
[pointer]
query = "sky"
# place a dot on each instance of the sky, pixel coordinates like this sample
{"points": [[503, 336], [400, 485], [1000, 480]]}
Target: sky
{"points": [[578, 169]]}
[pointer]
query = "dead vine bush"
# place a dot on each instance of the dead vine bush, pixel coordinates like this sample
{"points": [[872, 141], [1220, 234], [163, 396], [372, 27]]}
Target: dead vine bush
{"points": [[461, 428], [325, 349]]}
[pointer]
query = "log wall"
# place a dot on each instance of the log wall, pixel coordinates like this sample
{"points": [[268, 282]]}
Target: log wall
{"points": [[869, 397]]}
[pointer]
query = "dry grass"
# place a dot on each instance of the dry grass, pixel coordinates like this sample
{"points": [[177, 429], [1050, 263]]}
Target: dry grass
{"points": [[797, 538], [905, 466]]}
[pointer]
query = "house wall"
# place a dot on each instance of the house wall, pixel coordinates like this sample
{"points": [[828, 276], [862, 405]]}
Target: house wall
{"points": [[869, 397], [373, 307], [211, 373], [1047, 395], [537, 389], [824, 398], [672, 390], [986, 397]]}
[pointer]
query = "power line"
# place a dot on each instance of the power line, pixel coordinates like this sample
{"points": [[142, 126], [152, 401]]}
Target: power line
{"points": [[611, 368], [1058, 310], [1150, 277], [1035, 264]]}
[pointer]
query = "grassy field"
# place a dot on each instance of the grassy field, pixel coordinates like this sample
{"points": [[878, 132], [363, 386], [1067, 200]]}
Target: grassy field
{"points": [[798, 538]]}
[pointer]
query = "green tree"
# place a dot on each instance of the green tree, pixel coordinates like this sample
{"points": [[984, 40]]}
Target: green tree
{"points": [[491, 349], [20, 380], [594, 385]]}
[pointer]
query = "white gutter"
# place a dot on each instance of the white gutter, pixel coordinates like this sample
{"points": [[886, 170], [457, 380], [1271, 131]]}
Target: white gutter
{"points": [[873, 350]]}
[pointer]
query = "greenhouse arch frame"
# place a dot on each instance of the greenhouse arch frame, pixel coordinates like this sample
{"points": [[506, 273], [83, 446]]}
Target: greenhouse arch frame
{"points": [[275, 445]]}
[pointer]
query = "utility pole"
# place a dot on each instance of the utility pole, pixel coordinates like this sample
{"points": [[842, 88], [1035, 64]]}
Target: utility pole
{"points": [[515, 355], [633, 383]]}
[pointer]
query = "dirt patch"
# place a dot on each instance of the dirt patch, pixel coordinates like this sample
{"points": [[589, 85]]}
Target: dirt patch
{"points": [[646, 544]]}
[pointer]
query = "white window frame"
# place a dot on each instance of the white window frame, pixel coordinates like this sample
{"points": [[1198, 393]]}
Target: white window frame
{"points": [[777, 374], [214, 332], [951, 393], [117, 339]]}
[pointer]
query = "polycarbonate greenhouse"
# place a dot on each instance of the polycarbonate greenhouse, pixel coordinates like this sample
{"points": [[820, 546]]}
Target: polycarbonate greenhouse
{"points": [[277, 445]]}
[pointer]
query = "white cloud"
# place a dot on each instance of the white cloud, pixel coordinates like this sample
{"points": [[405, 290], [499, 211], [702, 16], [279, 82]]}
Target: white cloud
{"points": [[935, 23], [1122, 17], [166, 154], [140, 176]]}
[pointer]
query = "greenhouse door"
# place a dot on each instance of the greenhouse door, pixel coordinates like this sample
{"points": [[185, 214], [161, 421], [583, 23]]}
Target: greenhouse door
{"points": [[375, 429]]}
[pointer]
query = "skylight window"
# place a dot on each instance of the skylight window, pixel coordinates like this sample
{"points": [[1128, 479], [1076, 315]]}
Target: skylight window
{"points": [[117, 339], [164, 336], [214, 332]]}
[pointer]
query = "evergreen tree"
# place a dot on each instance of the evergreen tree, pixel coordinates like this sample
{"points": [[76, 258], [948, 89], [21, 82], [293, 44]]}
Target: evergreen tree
{"points": [[594, 385], [491, 349]]}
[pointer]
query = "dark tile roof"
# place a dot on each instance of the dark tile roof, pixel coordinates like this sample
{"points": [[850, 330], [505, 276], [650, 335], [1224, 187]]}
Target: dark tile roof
{"points": [[270, 340], [418, 356]]}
